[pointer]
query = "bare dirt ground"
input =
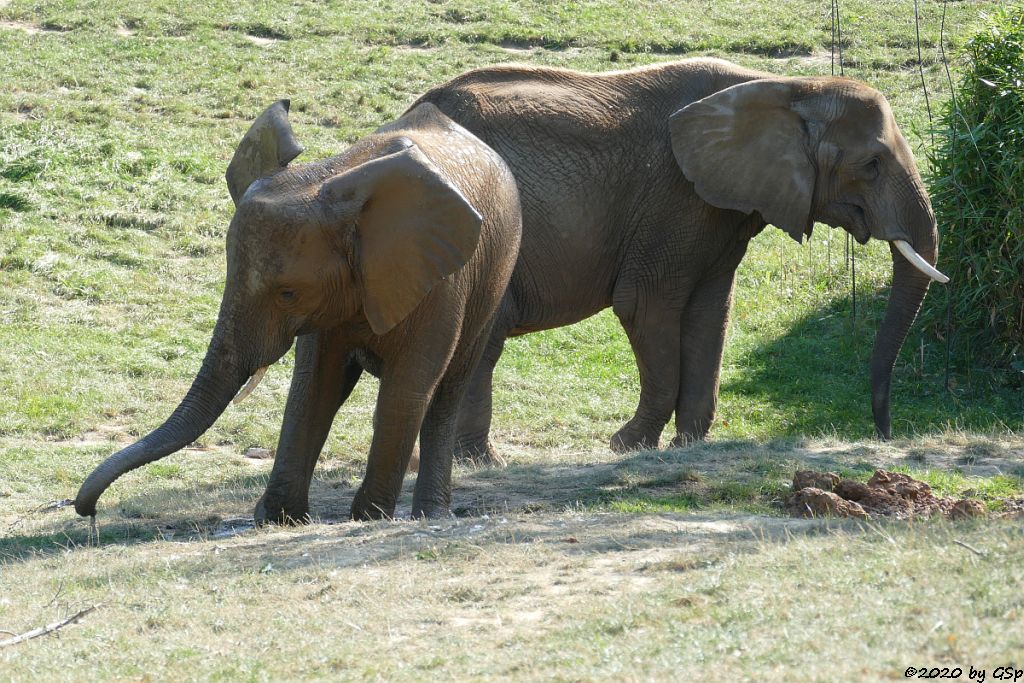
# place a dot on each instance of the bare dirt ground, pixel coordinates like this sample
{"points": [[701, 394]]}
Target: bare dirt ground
{"points": [[536, 481], [532, 498], [26, 27]]}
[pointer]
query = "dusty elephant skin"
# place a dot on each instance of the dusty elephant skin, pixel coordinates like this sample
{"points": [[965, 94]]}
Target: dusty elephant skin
{"points": [[392, 256], [640, 191]]}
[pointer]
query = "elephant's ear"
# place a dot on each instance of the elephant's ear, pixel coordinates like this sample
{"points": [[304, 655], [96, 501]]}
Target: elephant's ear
{"points": [[268, 145], [747, 148], [413, 226]]}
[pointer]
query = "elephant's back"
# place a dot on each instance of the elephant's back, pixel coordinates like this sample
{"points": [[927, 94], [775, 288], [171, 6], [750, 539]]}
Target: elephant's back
{"points": [[557, 102], [592, 159], [603, 102]]}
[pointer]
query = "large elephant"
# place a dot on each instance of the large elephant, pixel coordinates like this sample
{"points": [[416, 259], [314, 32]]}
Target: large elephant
{"points": [[640, 190], [392, 256]]}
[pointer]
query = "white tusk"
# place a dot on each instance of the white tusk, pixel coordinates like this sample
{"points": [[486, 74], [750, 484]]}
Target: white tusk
{"points": [[918, 261], [250, 385]]}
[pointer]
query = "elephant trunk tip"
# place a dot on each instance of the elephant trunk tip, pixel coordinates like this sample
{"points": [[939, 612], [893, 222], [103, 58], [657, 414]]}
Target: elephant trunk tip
{"points": [[883, 426], [93, 487], [880, 398], [883, 432], [86, 508]]}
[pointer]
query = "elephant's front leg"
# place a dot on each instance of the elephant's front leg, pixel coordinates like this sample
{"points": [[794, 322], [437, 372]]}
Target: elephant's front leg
{"points": [[324, 377], [704, 325], [399, 414], [407, 385], [653, 331]]}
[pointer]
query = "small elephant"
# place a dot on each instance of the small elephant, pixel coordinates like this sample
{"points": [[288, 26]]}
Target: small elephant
{"points": [[640, 191], [392, 256]]}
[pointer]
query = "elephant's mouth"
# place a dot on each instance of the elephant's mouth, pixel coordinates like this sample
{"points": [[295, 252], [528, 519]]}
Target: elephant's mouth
{"points": [[850, 217], [846, 215]]}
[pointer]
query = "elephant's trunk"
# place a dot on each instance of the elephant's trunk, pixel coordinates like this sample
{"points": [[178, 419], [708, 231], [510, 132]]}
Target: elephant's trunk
{"points": [[217, 382], [909, 285]]}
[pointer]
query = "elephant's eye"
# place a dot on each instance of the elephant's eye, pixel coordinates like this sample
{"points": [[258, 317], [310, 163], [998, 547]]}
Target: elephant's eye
{"points": [[872, 168], [287, 296]]}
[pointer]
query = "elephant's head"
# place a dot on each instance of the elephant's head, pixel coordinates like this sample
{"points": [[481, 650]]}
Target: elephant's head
{"points": [[357, 239], [800, 150]]}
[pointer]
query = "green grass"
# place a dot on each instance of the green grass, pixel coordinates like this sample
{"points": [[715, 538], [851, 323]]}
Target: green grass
{"points": [[978, 187], [116, 124], [729, 477], [119, 122]]}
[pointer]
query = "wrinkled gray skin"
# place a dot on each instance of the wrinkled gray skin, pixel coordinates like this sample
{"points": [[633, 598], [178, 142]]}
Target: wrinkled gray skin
{"points": [[641, 189], [392, 256]]}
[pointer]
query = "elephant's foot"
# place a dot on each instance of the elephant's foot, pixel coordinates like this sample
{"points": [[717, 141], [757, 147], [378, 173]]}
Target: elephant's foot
{"points": [[273, 511], [430, 511], [431, 501], [684, 440], [630, 438], [364, 509], [479, 452]]}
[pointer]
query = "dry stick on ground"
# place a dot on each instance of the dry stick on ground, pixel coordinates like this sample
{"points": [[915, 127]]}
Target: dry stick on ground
{"points": [[45, 507], [979, 553], [49, 628]]}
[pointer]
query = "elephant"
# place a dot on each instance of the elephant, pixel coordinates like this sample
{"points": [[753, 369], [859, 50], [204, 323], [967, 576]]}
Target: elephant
{"points": [[393, 257], [640, 190]]}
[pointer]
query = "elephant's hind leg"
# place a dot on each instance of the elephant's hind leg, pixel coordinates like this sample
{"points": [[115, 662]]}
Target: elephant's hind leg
{"points": [[653, 332], [432, 497], [472, 433], [704, 326], [323, 378]]}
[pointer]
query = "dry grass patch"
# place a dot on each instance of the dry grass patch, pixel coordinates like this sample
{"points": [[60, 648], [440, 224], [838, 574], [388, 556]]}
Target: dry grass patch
{"points": [[573, 595], [568, 565]]}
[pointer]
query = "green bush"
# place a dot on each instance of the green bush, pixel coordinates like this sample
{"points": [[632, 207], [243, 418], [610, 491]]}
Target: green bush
{"points": [[977, 188]]}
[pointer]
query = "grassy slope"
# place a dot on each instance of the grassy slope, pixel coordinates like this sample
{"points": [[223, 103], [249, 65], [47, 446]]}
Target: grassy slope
{"points": [[115, 128], [117, 131]]}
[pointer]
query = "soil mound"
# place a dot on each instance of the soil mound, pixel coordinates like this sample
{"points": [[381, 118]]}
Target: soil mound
{"points": [[886, 494]]}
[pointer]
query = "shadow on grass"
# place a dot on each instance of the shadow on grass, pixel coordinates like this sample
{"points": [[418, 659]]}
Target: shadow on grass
{"points": [[182, 513], [736, 476], [165, 511], [711, 481], [816, 377]]}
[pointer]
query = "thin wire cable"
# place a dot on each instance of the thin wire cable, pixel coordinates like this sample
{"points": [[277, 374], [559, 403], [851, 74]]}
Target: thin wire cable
{"points": [[853, 277], [951, 286], [850, 255], [920, 68], [839, 30], [833, 37], [927, 104]]}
